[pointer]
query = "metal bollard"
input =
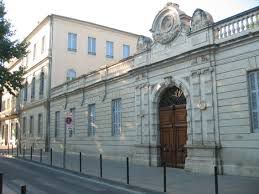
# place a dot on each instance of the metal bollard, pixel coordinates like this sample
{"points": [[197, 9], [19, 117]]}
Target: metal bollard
{"points": [[31, 152], [80, 162], [101, 166], [12, 149], [127, 164], [40, 155], [8, 149], [23, 153], [164, 176], [50, 156], [17, 151], [23, 189], [216, 179], [1, 183]]}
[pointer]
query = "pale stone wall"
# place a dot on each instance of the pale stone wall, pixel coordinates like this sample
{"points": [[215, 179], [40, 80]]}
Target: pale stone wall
{"points": [[81, 61], [240, 147]]}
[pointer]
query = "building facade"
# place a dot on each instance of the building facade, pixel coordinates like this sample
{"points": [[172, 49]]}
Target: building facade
{"points": [[188, 98], [60, 49]]}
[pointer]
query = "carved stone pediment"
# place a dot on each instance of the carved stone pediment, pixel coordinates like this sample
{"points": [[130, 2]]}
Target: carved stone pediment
{"points": [[166, 25], [200, 19], [143, 43]]}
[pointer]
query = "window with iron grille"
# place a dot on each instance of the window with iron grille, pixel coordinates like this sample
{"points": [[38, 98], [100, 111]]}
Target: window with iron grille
{"points": [[24, 125], [57, 123], [33, 88], [116, 117], [41, 91], [91, 120], [40, 124], [31, 125], [254, 99]]}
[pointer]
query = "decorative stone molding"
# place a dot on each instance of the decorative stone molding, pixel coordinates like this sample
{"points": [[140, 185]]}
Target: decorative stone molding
{"points": [[166, 25], [200, 19], [143, 43]]}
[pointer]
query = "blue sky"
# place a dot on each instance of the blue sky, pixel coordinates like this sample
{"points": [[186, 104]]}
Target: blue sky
{"points": [[132, 15]]}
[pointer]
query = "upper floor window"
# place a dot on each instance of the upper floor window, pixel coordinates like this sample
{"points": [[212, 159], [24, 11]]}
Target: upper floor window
{"points": [[42, 44], [126, 51], [72, 42], [91, 46], [71, 74], [33, 88], [254, 99], [91, 120], [116, 117], [3, 105], [41, 83], [34, 51], [25, 91], [109, 49]]}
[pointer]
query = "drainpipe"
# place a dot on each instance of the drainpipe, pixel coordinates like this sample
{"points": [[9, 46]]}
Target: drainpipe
{"points": [[47, 140]]}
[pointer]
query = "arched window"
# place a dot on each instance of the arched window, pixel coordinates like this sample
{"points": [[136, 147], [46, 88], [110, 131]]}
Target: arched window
{"points": [[71, 74], [25, 91], [41, 83], [33, 88]]}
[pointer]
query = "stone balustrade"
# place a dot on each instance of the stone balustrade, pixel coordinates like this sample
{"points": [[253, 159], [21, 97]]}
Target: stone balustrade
{"points": [[235, 25]]}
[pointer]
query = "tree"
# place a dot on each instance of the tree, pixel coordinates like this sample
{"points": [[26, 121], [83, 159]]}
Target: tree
{"points": [[9, 49]]}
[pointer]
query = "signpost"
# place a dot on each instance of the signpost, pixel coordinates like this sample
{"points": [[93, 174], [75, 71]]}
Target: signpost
{"points": [[68, 126]]}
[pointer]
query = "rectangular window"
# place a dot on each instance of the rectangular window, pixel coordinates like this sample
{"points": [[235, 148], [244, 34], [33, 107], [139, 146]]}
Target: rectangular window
{"points": [[72, 42], [73, 112], [91, 120], [254, 99], [126, 51], [91, 46], [24, 125], [42, 44], [40, 125], [109, 49], [57, 123], [31, 125], [116, 117], [34, 51], [3, 105], [25, 92]]}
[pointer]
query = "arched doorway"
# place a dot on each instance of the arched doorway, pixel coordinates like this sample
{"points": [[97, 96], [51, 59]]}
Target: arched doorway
{"points": [[173, 127]]}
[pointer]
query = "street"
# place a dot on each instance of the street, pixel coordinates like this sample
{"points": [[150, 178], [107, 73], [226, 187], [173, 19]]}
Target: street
{"points": [[42, 180]]}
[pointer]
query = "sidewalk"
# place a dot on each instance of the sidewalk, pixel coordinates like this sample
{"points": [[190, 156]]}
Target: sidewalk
{"points": [[178, 180]]}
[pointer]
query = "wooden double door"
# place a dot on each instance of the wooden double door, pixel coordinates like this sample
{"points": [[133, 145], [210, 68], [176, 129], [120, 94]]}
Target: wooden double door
{"points": [[173, 135]]}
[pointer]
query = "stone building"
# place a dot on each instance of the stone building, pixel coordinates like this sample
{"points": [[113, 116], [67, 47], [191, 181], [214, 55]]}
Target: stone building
{"points": [[188, 98], [60, 49]]}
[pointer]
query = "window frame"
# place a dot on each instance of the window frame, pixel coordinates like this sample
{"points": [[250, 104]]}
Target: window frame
{"points": [[109, 49], [128, 47], [42, 79], [116, 131], [72, 42], [69, 78], [31, 127], [91, 119], [256, 73], [33, 84], [42, 44], [57, 124], [40, 125], [91, 45]]}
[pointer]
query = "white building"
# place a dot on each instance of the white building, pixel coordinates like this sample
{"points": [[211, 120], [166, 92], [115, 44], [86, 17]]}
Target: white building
{"points": [[188, 98]]}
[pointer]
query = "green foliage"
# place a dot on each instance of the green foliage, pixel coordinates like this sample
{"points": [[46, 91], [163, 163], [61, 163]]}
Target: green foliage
{"points": [[11, 81]]}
